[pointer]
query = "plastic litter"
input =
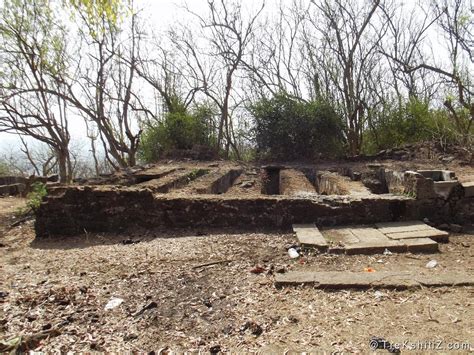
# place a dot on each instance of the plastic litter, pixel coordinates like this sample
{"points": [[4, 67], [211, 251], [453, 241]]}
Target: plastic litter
{"points": [[387, 252], [293, 253], [114, 302], [431, 264]]}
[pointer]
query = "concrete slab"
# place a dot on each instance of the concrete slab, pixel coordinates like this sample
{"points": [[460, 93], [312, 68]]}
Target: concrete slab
{"points": [[309, 236], [336, 280], [421, 245], [412, 229], [435, 234], [468, 188], [369, 235], [368, 248], [340, 235], [405, 226], [353, 240]]}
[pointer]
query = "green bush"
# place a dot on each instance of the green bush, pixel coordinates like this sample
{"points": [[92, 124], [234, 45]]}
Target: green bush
{"points": [[289, 129], [178, 131], [38, 191], [411, 122], [4, 170]]}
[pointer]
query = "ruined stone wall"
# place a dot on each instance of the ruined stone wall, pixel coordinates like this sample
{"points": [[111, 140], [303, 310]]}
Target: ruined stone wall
{"points": [[20, 186], [79, 209]]}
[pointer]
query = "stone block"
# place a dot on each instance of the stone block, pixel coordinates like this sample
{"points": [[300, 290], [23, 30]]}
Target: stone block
{"points": [[309, 236], [468, 188], [337, 280]]}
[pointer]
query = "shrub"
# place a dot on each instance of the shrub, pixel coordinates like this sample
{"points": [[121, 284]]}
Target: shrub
{"points": [[412, 122], [4, 169], [38, 191], [289, 129], [179, 131]]}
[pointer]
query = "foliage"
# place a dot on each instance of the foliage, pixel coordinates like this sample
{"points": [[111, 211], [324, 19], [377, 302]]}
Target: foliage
{"points": [[178, 131], [38, 191], [33, 27], [4, 169], [410, 122], [99, 15], [290, 129]]}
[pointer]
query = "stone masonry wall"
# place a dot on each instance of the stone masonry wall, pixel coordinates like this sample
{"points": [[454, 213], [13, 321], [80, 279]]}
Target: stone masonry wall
{"points": [[80, 209]]}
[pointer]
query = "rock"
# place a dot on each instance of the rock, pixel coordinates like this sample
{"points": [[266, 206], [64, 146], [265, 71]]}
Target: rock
{"points": [[130, 241], [253, 327], [456, 228], [130, 336], [280, 270], [215, 349], [356, 176], [257, 270], [247, 184]]}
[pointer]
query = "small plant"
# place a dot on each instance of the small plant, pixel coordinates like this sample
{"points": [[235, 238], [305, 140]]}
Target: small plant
{"points": [[197, 173], [38, 191]]}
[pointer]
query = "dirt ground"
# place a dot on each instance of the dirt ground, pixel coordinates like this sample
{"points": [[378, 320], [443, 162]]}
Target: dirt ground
{"points": [[201, 293]]}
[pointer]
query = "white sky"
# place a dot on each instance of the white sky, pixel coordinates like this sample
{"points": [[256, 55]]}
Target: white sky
{"points": [[159, 14]]}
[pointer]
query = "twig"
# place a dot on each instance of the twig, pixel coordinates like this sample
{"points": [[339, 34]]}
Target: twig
{"points": [[212, 263], [20, 221]]}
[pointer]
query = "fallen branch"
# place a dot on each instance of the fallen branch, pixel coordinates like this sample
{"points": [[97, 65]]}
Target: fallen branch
{"points": [[212, 263], [21, 221]]}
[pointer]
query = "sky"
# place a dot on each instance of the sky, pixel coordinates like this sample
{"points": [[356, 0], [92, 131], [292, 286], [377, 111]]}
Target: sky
{"points": [[160, 14]]}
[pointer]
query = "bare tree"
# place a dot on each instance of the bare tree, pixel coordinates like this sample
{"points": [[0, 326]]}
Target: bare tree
{"points": [[101, 87], [452, 19], [349, 39], [33, 49], [228, 33]]}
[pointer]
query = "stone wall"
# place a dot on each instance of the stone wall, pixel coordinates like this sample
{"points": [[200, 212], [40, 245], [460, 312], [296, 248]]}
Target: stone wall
{"points": [[79, 209], [20, 186]]}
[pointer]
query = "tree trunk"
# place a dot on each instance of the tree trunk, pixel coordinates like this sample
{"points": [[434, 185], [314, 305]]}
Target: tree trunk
{"points": [[64, 165]]}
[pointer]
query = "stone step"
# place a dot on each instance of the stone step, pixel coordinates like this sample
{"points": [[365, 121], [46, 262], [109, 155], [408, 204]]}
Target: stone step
{"points": [[421, 245], [369, 235], [363, 240], [393, 246], [405, 226], [336, 280], [412, 229], [340, 236], [309, 236]]}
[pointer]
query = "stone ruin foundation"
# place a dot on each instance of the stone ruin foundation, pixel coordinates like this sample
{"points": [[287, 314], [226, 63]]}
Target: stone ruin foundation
{"points": [[252, 197]]}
